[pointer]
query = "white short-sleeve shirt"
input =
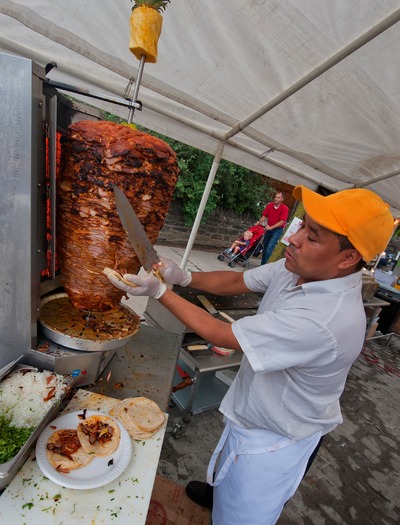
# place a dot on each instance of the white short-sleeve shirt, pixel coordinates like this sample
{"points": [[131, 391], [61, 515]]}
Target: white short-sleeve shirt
{"points": [[298, 350]]}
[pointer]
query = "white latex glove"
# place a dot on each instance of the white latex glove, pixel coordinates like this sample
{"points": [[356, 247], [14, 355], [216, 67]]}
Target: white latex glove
{"points": [[172, 274], [147, 285]]}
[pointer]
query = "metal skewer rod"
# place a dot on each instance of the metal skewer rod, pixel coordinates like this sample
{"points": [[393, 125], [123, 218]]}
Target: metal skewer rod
{"points": [[136, 88]]}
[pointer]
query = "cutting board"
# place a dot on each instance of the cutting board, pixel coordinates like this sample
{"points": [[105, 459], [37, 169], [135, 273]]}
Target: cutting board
{"points": [[33, 499]]}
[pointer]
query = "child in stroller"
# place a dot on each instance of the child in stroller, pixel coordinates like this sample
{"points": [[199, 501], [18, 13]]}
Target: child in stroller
{"points": [[240, 244], [243, 248]]}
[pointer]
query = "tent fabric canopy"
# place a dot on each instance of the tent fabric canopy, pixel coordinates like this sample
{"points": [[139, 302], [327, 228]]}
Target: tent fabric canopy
{"points": [[303, 91]]}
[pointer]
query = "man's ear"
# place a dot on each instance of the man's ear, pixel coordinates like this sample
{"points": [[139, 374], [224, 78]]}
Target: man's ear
{"points": [[350, 257]]}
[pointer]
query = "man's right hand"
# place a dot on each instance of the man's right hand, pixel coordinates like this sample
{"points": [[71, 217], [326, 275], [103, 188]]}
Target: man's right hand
{"points": [[172, 274]]}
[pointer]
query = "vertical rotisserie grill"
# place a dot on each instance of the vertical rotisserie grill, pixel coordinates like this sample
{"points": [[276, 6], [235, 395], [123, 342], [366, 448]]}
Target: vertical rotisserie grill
{"points": [[35, 116]]}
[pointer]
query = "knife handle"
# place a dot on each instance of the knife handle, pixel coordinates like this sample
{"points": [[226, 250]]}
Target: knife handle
{"points": [[228, 317], [226, 352], [206, 303], [196, 347]]}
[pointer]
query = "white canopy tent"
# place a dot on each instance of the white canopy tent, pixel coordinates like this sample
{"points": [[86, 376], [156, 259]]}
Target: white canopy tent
{"points": [[303, 91]]}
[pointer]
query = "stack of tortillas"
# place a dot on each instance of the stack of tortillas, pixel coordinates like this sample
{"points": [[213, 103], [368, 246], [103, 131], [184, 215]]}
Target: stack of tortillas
{"points": [[140, 416]]}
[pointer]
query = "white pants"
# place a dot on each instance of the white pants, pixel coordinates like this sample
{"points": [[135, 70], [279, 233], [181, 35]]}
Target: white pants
{"points": [[257, 472]]}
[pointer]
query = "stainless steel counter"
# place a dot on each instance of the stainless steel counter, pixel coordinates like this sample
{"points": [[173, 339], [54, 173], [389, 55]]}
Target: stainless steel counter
{"points": [[144, 367]]}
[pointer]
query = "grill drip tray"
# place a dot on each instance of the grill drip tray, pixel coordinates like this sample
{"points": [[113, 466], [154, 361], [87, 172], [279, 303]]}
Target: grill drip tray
{"points": [[64, 324]]}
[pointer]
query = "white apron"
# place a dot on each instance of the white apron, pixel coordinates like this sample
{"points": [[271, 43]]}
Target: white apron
{"points": [[256, 473]]}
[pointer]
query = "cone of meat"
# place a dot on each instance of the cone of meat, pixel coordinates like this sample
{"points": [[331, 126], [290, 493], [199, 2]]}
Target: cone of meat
{"points": [[96, 155]]}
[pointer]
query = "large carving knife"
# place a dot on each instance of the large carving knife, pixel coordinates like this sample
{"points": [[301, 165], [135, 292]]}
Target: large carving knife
{"points": [[135, 231]]}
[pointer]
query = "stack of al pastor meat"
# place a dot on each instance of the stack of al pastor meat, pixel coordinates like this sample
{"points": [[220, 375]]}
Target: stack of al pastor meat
{"points": [[96, 155]]}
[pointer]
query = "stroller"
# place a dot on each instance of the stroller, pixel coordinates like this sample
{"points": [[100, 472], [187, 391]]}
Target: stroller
{"points": [[243, 256]]}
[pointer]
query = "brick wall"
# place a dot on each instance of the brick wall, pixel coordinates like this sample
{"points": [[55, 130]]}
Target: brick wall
{"points": [[219, 231]]}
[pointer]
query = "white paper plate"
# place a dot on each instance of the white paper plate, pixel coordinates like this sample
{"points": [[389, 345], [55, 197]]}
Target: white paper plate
{"points": [[99, 472]]}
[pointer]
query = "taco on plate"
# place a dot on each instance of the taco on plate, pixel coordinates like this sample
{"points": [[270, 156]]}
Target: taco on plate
{"points": [[65, 452], [99, 435]]}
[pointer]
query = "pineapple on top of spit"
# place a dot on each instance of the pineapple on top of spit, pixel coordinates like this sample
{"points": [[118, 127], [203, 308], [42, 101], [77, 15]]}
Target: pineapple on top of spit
{"points": [[145, 28]]}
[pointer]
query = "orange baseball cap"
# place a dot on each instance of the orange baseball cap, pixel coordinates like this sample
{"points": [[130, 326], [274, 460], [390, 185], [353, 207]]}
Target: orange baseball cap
{"points": [[358, 214]]}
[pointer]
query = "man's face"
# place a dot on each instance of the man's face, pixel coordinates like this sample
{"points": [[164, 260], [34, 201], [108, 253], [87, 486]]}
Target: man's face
{"points": [[278, 198], [314, 253]]}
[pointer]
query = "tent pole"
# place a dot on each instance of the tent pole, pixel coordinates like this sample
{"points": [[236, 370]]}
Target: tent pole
{"points": [[378, 179], [203, 202]]}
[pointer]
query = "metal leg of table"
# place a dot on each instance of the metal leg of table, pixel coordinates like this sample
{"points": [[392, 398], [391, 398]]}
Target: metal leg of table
{"points": [[188, 411], [381, 336], [179, 428]]}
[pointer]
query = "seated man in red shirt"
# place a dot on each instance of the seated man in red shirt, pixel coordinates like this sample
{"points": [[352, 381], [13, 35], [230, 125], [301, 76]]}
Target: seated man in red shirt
{"points": [[274, 219]]}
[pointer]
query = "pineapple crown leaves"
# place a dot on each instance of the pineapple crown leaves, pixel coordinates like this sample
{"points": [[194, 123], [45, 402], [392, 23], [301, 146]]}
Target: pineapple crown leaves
{"points": [[158, 5]]}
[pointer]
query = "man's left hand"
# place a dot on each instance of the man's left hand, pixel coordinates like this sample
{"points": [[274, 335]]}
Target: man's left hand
{"points": [[148, 285]]}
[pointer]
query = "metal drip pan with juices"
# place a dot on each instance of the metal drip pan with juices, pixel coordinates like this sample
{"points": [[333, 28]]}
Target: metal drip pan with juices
{"points": [[64, 324]]}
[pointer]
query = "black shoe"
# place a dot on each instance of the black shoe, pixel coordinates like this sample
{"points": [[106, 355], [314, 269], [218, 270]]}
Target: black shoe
{"points": [[201, 493]]}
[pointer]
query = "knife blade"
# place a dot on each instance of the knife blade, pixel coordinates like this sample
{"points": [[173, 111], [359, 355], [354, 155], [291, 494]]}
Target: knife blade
{"points": [[206, 303], [135, 231], [212, 310]]}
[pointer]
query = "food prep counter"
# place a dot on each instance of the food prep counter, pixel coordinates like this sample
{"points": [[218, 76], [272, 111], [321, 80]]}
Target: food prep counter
{"points": [[33, 499], [145, 367]]}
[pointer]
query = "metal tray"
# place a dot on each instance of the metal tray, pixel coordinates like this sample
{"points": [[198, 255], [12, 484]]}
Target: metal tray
{"points": [[80, 343], [10, 468]]}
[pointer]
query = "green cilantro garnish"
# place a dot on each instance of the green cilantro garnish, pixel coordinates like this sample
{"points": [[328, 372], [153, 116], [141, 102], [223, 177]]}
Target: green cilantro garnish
{"points": [[12, 439]]}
